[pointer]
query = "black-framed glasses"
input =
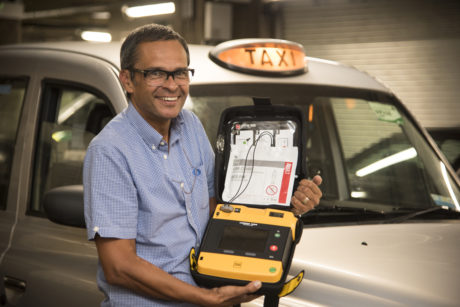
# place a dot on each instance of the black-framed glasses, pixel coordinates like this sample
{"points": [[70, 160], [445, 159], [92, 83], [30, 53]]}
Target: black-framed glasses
{"points": [[154, 77]]}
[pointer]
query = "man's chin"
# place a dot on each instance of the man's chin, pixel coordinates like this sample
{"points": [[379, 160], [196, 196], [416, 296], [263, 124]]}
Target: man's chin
{"points": [[171, 114]]}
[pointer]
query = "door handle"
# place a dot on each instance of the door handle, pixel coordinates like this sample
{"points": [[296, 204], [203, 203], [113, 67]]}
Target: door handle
{"points": [[12, 290], [3, 299], [14, 283]]}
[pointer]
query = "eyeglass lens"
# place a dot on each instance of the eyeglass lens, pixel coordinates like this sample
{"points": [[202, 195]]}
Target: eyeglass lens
{"points": [[157, 77]]}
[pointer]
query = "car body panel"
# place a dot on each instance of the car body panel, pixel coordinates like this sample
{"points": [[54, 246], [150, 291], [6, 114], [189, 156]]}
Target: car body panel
{"points": [[56, 256], [360, 252], [362, 265]]}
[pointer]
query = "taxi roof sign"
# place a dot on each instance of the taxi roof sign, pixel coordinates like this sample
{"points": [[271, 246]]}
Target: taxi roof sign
{"points": [[266, 57]]}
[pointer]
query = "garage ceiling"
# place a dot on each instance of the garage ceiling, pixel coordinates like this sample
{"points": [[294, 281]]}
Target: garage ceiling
{"points": [[34, 5], [63, 19]]}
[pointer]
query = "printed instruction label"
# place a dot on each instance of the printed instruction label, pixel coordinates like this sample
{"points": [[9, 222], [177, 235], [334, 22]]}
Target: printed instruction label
{"points": [[266, 180], [443, 201], [386, 112]]}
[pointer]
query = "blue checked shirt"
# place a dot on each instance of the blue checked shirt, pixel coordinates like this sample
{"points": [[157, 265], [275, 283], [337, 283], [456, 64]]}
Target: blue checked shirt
{"points": [[136, 189]]}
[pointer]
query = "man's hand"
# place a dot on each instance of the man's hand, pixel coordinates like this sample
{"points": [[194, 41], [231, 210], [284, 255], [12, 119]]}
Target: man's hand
{"points": [[233, 295], [307, 195]]}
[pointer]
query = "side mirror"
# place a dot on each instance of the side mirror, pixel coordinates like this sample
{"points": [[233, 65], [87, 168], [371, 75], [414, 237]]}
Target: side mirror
{"points": [[64, 205]]}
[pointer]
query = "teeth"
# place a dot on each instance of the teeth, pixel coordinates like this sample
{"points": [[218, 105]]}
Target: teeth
{"points": [[169, 98]]}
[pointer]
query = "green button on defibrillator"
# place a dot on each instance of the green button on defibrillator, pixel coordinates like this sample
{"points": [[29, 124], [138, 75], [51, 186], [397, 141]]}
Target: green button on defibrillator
{"points": [[272, 270]]}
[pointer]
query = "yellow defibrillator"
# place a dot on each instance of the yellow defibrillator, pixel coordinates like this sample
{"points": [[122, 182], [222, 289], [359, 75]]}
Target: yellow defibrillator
{"points": [[253, 233]]}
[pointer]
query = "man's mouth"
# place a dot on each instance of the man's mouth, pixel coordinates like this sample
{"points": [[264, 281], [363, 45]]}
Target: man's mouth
{"points": [[169, 98]]}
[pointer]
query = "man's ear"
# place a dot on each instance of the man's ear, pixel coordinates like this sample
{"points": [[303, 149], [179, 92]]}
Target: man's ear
{"points": [[125, 78]]}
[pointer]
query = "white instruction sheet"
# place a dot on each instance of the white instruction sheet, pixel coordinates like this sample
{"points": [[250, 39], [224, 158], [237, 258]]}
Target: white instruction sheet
{"points": [[266, 180]]}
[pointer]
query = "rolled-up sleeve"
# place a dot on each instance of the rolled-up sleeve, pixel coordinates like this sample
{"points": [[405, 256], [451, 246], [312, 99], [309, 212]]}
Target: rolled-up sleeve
{"points": [[111, 205]]}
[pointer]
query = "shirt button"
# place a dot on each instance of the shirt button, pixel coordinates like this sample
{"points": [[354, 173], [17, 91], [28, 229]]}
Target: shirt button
{"points": [[153, 147], [165, 157], [96, 229], [162, 143], [182, 185]]}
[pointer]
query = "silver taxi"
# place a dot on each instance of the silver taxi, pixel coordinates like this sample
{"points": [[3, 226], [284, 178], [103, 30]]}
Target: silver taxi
{"points": [[386, 233]]}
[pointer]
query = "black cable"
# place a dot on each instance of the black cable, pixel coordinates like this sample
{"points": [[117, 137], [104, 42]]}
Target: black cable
{"points": [[242, 176], [238, 193]]}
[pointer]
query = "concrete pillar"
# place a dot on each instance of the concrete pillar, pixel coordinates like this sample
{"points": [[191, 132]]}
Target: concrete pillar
{"points": [[10, 22], [246, 19], [188, 20]]}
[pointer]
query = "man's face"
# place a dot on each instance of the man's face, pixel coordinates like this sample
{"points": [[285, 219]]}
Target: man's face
{"points": [[157, 104]]}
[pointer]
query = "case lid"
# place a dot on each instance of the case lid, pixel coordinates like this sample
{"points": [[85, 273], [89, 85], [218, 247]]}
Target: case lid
{"points": [[258, 158]]}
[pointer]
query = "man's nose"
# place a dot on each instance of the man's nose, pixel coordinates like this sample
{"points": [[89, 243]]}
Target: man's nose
{"points": [[170, 82]]}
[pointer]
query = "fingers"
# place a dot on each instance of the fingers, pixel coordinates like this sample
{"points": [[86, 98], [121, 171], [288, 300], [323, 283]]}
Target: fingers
{"points": [[251, 287], [248, 295], [300, 207], [233, 295], [307, 195]]}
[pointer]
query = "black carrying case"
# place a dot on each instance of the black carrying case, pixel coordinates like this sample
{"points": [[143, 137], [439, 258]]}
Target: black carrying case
{"points": [[264, 112]]}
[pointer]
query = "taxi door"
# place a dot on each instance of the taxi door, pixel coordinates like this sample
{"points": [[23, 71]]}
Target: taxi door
{"points": [[52, 104]]}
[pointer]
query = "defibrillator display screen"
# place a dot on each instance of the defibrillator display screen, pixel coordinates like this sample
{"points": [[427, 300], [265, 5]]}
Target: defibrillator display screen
{"points": [[244, 239]]}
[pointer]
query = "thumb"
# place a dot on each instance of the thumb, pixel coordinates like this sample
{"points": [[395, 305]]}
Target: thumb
{"points": [[317, 180], [253, 286]]}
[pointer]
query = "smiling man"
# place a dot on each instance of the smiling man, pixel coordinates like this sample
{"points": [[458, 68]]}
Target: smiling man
{"points": [[148, 182], [158, 82]]}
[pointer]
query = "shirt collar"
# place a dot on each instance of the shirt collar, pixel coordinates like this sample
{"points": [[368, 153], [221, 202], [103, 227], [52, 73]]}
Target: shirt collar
{"points": [[148, 133], [176, 127]]}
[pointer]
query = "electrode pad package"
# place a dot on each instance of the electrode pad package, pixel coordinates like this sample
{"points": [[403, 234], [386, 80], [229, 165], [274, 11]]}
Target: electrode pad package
{"points": [[261, 163], [253, 233]]}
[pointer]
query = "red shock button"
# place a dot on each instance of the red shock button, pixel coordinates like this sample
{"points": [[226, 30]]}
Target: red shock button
{"points": [[273, 248]]}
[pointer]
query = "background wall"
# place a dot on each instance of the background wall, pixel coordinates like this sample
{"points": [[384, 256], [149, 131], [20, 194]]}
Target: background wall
{"points": [[413, 46]]}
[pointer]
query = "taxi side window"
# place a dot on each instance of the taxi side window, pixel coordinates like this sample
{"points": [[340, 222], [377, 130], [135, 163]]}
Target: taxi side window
{"points": [[70, 117], [11, 100], [381, 163]]}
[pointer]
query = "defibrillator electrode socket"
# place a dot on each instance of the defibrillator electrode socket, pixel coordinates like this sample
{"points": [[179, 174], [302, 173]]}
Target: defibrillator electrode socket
{"points": [[226, 208]]}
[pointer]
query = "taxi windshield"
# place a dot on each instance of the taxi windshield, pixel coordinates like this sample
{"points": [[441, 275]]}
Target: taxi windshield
{"points": [[367, 149]]}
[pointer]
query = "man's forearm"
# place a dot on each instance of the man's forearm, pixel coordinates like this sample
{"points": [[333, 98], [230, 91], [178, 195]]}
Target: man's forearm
{"points": [[122, 267]]}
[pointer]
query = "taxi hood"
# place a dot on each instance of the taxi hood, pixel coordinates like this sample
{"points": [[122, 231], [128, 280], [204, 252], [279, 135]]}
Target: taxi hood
{"points": [[415, 264]]}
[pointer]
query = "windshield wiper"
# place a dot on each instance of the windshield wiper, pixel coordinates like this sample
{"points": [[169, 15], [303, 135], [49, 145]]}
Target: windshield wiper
{"points": [[331, 215], [417, 213], [344, 209], [324, 214]]}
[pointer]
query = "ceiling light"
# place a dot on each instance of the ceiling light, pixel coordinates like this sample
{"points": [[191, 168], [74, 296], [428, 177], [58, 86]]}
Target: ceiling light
{"points": [[388, 161], [94, 36], [104, 15], [149, 10]]}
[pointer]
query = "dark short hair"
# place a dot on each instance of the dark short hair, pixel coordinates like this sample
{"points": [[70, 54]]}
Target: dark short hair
{"points": [[147, 33]]}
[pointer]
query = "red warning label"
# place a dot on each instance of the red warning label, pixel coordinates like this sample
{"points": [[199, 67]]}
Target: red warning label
{"points": [[285, 182]]}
